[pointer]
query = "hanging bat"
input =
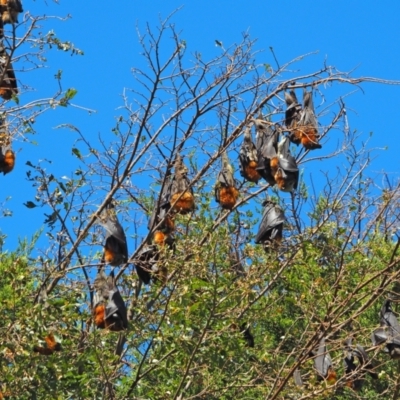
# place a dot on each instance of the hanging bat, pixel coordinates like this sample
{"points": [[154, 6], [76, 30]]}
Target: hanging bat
{"points": [[389, 332], [248, 337], [163, 234], [179, 192], [148, 264], [323, 363], [115, 248], [297, 377], [284, 169], [147, 257], [271, 226], [292, 117], [10, 10], [267, 147], [226, 193], [7, 156], [248, 159], [308, 125], [109, 309], [51, 346], [359, 355], [8, 82]]}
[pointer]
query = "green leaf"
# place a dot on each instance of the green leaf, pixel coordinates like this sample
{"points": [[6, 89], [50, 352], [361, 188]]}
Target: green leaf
{"points": [[77, 153], [30, 204]]}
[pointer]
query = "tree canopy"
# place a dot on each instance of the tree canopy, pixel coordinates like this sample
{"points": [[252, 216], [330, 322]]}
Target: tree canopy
{"points": [[177, 269]]}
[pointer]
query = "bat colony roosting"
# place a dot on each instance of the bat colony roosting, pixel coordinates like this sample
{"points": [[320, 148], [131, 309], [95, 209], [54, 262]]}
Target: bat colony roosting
{"points": [[269, 158], [9, 10]]}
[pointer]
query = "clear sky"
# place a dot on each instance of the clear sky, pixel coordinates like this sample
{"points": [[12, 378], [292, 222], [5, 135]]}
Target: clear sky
{"points": [[348, 34]]}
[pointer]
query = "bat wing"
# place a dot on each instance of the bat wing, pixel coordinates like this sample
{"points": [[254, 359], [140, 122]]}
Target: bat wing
{"points": [[307, 117], [273, 216], [288, 164], [100, 288], [389, 319], [114, 228], [180, 184], [348, 364], [379, 336], [225, 177], [116, 308], [248, 151], [147, 257], [264, 169], [308, 100], [166, 193], [115, 251], [270, 143], [297, 377], [322, 361], [16, 5], [293, 109], [365, 361]]}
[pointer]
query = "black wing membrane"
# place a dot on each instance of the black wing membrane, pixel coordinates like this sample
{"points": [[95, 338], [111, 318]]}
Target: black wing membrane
{"points": [[287, 175], [267, 147], [271, 225]]}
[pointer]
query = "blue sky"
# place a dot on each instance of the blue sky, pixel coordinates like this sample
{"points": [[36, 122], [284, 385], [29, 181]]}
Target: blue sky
{"points": [[349, 35]]}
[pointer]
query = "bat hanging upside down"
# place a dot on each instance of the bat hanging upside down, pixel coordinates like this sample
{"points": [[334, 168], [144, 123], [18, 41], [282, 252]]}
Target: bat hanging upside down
{"points": [[271, 226], [115, 248], [352, 354], [51, 346], [302, 122], [226, 193], [109, 309], [388, 332], [179, 192], [323, 363], [248, 158], [8, 81]]}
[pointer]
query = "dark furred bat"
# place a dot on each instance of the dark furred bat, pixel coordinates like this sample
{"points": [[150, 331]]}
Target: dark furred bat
{"points": [[149, 264], [115, 248], [8, 82], [356, 358], [267, 149], [248, 337], [9, 11], [308, 125], [323, 363], [148, 259], [389, 332], [50, 348], [179, 193], [145, 261], [270, 230], [163, 234], [226, 193], [7, 156], [284, 169], [292, 117], [248, 158], [109, 309]]}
